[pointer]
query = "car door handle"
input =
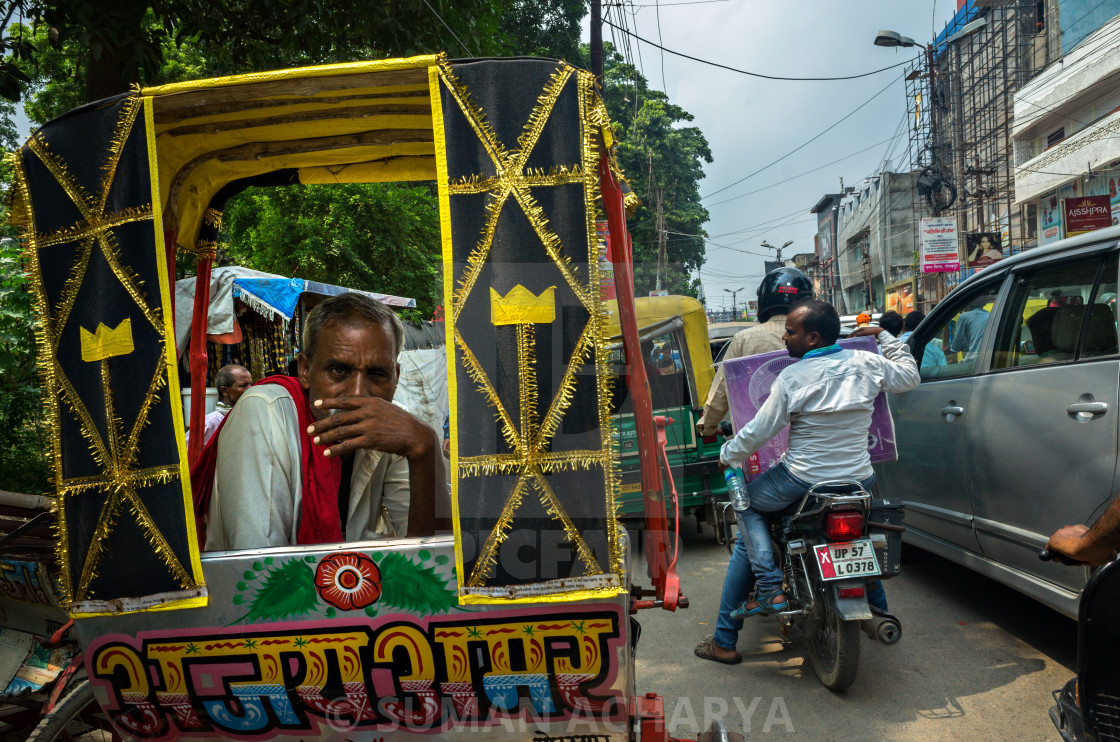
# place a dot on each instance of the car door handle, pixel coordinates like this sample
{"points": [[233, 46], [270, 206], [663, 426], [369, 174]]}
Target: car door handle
{"points": [[951, 412], [1084, 411]]}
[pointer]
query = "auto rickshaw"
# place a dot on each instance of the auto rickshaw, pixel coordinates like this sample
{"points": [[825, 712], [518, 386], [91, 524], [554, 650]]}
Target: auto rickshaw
{"points": [[464, 632], [673, 336]]}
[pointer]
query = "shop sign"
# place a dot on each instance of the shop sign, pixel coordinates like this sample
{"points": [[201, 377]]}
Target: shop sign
{"points": [[1086, 213]]}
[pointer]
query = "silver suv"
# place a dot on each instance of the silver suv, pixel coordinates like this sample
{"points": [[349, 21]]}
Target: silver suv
{"points": [[1013, 430]]}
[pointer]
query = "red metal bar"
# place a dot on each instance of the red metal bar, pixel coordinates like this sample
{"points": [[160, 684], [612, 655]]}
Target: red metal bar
{"points": [[662, 571], [198, 358]]}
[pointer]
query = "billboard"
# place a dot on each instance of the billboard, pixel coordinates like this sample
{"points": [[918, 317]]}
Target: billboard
{"points": [[984, 248], [900, 297], [938, 249], [1086, 213]]}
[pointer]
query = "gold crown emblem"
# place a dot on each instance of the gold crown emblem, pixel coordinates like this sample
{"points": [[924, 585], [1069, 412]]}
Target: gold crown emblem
{"points": [[521, 307], [1086, 204], [105, 343]]}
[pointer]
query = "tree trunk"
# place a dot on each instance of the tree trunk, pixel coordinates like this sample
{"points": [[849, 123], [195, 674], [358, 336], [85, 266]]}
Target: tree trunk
{"points": [[120, 24]]}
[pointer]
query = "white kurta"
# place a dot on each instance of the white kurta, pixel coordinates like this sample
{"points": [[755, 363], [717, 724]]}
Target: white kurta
{"points": [[257, 484]]}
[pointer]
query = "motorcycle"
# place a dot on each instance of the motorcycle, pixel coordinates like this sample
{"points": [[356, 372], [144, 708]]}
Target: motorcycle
{"points": [[831, 544]]}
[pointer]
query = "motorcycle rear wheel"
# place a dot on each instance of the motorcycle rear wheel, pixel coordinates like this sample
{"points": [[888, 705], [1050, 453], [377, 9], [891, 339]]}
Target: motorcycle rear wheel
{"points": [[833, 647]]}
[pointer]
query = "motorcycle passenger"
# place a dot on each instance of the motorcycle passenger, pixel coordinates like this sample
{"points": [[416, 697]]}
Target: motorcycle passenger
{"points": [[781, 289], [827, 401]]}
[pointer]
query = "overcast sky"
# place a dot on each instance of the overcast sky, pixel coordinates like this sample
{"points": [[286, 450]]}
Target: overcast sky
{"points": [[750, 122]]}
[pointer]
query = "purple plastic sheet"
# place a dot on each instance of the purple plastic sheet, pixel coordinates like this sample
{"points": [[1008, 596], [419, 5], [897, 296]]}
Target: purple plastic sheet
{"points": [[748, 387]]}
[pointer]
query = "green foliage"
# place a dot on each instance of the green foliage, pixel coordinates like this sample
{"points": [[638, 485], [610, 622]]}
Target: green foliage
{"points": [[413, 587], [59, 71], [373, 237], [544, 29], [664, 163], [24, 439], [288, 591], [104, 46]]}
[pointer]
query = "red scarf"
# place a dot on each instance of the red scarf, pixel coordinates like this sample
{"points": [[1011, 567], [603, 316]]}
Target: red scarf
{"points": [[320, 476]]}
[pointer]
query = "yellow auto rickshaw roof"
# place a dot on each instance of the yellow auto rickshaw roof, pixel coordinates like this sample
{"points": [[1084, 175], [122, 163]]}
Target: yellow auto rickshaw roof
{"points": [[338, 123], [653, 309]]}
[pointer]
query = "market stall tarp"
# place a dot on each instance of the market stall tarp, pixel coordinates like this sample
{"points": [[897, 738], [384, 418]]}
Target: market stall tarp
{"points": [[99, 278], [517, 148], [268, 294]]}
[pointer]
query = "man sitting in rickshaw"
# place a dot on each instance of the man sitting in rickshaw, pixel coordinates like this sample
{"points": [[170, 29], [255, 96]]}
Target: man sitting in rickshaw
{"points": [[326, 457]]}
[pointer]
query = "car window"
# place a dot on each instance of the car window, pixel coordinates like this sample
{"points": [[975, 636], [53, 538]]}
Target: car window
{"points": [[1100, 338], [1045, 320], [951, 347]]}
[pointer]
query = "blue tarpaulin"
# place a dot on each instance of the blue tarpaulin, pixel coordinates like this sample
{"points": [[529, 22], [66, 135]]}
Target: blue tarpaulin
{"points": [[268, 294]]}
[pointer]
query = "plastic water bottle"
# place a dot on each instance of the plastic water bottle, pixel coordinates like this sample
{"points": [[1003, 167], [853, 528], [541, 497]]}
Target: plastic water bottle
{"points": [[736, 488]]}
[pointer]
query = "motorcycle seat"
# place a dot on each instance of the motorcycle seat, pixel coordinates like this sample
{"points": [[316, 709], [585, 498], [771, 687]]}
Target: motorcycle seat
{"points": [[840, 488]]}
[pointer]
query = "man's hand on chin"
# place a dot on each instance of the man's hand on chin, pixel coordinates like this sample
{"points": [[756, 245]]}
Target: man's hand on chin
{"points": [[372, 423], [379, 425]]}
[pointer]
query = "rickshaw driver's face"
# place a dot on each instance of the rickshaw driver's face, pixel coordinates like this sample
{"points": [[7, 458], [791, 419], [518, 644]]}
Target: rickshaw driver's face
{"points": [[351, 360]]}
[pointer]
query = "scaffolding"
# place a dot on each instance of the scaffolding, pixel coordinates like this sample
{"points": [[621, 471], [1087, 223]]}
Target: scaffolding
{"points": [[960, 125]]}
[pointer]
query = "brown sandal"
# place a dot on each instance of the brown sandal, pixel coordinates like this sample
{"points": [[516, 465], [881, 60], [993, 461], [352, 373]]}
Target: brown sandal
{"points": [[705, 650]]}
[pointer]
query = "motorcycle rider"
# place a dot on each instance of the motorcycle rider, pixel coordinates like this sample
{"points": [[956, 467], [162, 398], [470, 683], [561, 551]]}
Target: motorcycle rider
{"points": [[780, 289], [827, 401]]}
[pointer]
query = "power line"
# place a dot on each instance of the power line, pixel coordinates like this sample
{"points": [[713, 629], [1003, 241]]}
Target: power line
{"points": [[807, 172], [804, 145], [687, 2], [437, 15], [758, 74], [657, 8]]}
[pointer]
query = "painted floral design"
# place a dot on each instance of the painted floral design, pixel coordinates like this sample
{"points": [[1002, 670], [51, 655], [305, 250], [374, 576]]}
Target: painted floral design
{"points": [[348, 580]]}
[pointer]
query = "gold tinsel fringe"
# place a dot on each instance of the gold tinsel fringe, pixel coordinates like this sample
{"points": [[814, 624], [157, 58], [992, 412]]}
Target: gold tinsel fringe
{"points": [[488, 555], [130, 108]]}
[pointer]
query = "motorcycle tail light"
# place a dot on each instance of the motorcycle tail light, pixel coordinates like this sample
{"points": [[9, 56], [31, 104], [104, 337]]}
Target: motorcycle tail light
{"points": [[843, 526], [851, 592]]}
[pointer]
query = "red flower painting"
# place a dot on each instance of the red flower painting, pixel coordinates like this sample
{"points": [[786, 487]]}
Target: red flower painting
{"points": [[348, 580]]}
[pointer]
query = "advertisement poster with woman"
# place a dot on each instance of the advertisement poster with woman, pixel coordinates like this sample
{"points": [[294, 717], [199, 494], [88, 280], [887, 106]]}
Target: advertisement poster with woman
{"points": [[984, 248]]}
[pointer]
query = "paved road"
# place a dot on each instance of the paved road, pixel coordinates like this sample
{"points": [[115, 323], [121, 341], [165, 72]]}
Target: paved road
{"points": [[977, 661]]}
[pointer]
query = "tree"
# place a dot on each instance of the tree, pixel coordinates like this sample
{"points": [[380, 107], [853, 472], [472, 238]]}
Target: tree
{"points": [[109, 45], [664, 163], [23, 436], [376, 237]]}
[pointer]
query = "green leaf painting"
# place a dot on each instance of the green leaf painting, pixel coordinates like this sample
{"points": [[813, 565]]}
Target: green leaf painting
{"points": [[286, 589], [414, 587]]}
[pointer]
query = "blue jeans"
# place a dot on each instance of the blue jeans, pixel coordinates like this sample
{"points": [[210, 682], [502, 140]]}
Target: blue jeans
{"points": [[776, 490], [737, 585]]}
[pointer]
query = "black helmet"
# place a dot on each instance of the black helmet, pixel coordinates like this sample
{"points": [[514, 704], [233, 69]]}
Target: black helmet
{"points": [[781, 289]]}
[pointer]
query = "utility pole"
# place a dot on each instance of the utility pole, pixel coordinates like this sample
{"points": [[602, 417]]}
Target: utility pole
{"points": [[734, 306], [661, 257], [597, 41]]}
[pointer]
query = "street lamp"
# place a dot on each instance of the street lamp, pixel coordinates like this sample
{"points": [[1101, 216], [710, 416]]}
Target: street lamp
{"points": [[895, 39], [777, 250], [734, 307]]}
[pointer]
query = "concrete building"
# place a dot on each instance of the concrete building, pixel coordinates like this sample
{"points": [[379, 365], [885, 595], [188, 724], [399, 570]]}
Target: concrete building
{"points": [[1067, 136], [827, 277], [876, 239]]}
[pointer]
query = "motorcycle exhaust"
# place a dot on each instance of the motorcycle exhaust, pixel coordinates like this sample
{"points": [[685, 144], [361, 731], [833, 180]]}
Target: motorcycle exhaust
{"points": [[883, 628]]}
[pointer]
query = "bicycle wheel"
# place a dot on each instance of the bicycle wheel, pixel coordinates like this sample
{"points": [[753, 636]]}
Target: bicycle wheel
{"points": [[76, 717]]}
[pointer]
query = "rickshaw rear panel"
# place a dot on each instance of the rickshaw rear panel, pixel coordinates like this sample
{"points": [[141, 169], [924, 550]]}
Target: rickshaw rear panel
{"points": [[359, 641]]}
